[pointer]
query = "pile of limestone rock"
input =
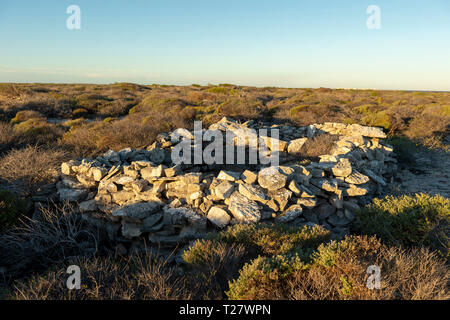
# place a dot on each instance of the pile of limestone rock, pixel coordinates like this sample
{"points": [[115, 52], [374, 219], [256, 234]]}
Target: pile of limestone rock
{"points": [[142, 194]]}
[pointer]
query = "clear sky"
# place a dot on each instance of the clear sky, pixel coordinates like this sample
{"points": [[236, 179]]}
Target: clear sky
{"points": [[289, 43]]}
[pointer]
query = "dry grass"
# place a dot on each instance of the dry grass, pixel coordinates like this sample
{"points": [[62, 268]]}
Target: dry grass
{"points": [[318, 146], [31, 166], [110, 278], [8, 136], [213, 264], [56, 237]]}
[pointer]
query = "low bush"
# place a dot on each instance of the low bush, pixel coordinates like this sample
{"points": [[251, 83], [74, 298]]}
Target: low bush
{"points": [[338, 270], [27, 115], [213, 264], [274, 239], [33, 245], [38, 131], [106, 278], [419, 220], [31, 166], [8, 137]]}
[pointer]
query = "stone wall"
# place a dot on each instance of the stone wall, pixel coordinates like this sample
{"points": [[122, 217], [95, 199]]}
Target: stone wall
{"points": [[141, 194]]}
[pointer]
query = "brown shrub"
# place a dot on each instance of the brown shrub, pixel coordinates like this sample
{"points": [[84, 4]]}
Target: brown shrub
{"points": [[30, 166], [415, 274], [318, 146], [33, 245], [135, 131], [213, 264], [7, 136]]}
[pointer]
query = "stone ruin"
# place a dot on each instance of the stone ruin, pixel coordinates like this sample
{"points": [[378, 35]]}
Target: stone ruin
{"points": [[139, 195]]}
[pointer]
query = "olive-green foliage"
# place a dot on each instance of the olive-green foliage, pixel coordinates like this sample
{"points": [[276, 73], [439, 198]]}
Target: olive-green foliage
{"points": [[338, 270], [275, 239], [416, 220], [11, 207]]}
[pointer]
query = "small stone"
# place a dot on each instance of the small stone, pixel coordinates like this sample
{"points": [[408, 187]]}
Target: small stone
{"points": [[72, 195], [249, 177], [307, 202], [131, 230], [354, 191], [138, 210], [272, 178], [290, 214], [218, 215], [253, 192], [343, 168], [228, 175], [139, 185], [296, 145], [244, 209], [88, 206], [281, 196], [295, 188], [224, 190], [357, 178]]}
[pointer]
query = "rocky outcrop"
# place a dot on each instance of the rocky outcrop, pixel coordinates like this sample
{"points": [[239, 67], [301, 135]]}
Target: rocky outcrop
{"points": [[143, 194]]}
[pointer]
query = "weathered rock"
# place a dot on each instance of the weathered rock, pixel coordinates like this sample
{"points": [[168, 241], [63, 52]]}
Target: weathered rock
{"points": [[253, 192], [272, 178], [281, 196], [131, 229], [357, 178], [150, 224], [354, 191], [224, 190], [371, 132], [218, 215], [86, 181], [87, 206], [330, 185], [307, 202], [121, 197], [72, 195], [296, 145], [375, 177], [98, 173], [249, 177], [244, 209], [343, 168], [138, 210], [228, 175], [290, 214]]}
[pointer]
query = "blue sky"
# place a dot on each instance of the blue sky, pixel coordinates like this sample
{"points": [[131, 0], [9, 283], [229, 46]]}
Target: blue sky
{"points": [[289, 43]]}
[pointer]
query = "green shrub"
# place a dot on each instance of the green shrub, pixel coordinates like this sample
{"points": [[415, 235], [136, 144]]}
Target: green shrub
{"points": [[214, 264], [220, 90], [338, 271], [11, 208], [408, 220], [377, 119], [26, 115], [275, 239], [293, 111]]}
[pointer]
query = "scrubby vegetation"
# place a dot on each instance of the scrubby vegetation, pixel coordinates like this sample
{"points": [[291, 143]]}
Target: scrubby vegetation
{"points": [[420, 220]]}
